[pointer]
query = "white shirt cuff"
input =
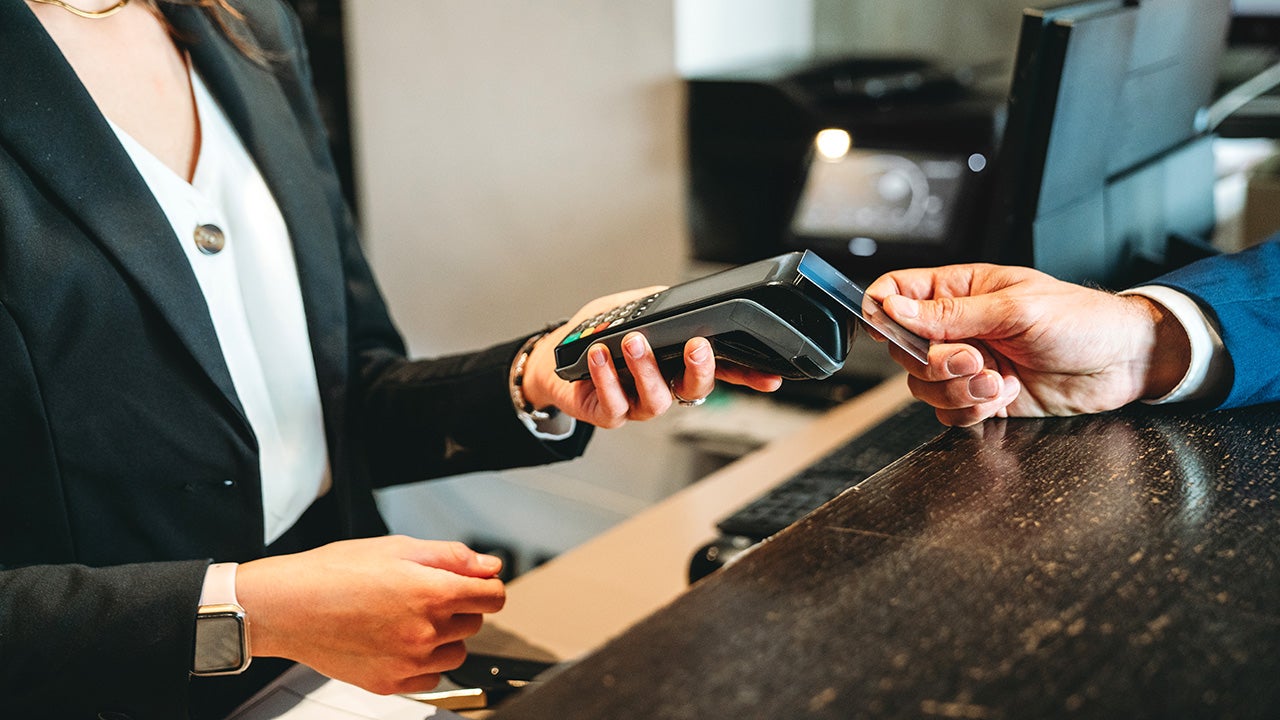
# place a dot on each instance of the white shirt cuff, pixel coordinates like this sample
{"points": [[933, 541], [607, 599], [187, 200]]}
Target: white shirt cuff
{"points": [[1208, 355], [557, 427]]}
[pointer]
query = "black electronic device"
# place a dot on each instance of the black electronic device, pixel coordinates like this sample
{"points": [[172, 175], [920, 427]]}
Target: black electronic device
{"points": [[720, 553], [893, 207], [763, 179], [792, 315], [483, 681], [497, 674]]}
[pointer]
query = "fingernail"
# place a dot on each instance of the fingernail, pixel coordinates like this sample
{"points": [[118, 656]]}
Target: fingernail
{"points": [[634, 346], [1011, 388], [489, 563], [597, 355], [904, 306], [983, 386], [701, 354], [962, 363]]}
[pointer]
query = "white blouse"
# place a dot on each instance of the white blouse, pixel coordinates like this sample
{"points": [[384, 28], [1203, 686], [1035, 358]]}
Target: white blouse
{"points": [[251, 288]]}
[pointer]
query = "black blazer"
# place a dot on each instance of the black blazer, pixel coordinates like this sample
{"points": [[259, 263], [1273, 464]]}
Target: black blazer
{"points": [[126, 461]]}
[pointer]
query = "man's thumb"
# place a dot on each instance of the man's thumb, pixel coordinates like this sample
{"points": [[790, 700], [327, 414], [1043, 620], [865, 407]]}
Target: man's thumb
{"points": [[945, 319]]}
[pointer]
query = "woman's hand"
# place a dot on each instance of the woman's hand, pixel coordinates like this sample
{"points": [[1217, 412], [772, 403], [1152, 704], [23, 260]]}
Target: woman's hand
{"points": [[603, 400], [388, 614]]}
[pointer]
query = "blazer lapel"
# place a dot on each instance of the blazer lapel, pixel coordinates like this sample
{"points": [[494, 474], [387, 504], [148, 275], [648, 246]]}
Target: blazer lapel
{"points": [[256, 104], [49, 122]]}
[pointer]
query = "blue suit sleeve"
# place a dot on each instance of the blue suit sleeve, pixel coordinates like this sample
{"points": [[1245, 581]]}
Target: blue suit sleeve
{"points": [[1241, 291]]}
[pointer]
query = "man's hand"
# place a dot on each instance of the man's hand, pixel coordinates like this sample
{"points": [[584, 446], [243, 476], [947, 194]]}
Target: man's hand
{"points": [[388, 614], [1012, 341]]}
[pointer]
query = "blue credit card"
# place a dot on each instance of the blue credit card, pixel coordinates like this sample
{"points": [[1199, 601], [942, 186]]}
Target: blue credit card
{"points": [[849, 294]]}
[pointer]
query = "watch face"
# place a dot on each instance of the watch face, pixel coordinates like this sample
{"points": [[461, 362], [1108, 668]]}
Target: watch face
{"points": [[220, 645]]}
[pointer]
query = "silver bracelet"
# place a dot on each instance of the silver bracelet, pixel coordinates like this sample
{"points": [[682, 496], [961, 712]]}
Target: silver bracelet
{"points": [[524, 408]]}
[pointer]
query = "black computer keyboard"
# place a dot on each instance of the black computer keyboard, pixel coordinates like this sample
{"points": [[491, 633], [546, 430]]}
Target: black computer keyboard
{"points": [[846, 466]]}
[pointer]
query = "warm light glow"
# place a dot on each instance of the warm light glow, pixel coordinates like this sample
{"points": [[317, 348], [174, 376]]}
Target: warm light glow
{"points": [[833, 143]]}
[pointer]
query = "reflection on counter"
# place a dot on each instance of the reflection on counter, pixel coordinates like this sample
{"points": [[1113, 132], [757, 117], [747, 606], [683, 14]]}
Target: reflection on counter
{"points": [[1120, 565]]}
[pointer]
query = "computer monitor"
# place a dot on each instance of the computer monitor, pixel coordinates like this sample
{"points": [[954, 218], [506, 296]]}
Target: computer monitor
{"points": [[1105, 173]]}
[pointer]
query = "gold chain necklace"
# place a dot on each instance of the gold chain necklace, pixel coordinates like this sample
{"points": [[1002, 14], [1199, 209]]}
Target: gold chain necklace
{"points": [[90, 14]]}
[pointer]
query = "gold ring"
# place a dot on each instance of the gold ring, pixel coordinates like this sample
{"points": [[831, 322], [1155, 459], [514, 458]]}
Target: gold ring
{"points": [[684, 403]]}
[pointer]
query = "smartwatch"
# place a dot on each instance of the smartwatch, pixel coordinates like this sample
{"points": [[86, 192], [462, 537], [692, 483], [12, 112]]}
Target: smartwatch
{"points": [[222, 629]]}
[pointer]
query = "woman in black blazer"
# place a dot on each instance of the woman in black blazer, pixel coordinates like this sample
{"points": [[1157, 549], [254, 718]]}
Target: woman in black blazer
{"points": [[129, 459]]}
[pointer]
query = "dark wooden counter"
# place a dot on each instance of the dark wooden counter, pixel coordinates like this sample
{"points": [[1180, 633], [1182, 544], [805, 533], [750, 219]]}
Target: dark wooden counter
{"points": [[1123, 565]]}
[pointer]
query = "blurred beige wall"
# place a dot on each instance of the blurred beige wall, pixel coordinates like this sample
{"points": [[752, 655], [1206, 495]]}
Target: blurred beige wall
{"points": [[515, 159]]}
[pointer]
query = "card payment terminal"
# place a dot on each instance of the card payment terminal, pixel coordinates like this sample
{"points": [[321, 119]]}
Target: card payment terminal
{"points": [[792, 315]]}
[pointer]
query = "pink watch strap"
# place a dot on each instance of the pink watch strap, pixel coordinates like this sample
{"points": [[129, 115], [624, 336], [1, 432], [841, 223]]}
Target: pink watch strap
{"points": [[219, 585]]}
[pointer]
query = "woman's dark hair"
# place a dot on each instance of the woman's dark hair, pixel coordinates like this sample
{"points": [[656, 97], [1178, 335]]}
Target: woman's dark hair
{"points": [[231, 22]]}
